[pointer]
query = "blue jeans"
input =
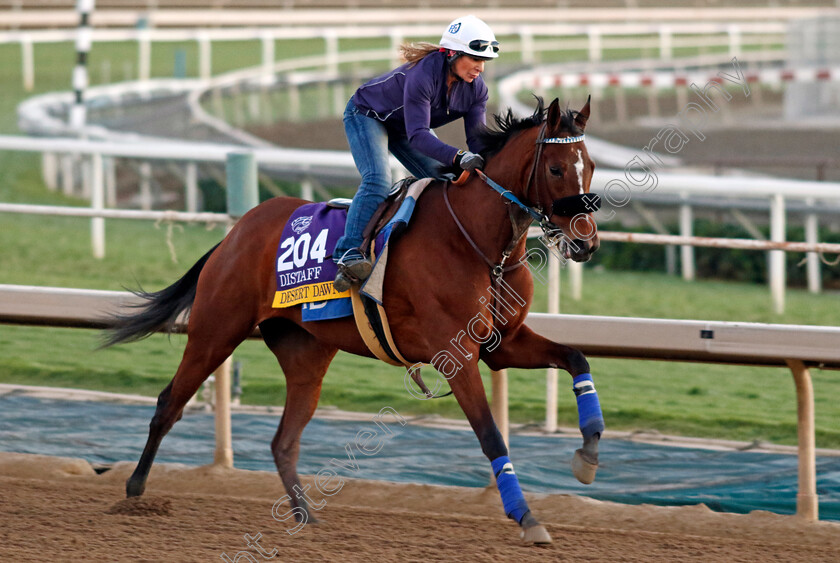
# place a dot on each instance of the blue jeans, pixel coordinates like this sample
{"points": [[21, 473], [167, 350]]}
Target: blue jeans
{"points": [[370, 143]]}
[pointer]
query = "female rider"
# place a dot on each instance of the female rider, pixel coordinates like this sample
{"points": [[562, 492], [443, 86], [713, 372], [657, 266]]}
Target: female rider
{"points": [[396, 111]]}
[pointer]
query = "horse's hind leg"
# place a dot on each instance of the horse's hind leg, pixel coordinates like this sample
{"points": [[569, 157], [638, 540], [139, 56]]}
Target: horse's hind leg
{"points": [[304, 360], [207, 347]]}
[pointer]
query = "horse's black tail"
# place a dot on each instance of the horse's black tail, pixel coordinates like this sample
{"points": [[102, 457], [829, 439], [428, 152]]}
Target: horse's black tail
{"points": [[159, 311]]}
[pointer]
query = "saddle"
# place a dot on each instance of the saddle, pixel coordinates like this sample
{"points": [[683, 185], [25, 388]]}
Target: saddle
{"points": [[385, 212]]}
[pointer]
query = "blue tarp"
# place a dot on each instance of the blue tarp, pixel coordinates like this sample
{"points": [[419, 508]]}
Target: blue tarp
{"points": [[630, 472]]}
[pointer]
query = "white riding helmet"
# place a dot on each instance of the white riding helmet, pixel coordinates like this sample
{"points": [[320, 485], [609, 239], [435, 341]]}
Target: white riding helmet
{"points": [[472, 36]]}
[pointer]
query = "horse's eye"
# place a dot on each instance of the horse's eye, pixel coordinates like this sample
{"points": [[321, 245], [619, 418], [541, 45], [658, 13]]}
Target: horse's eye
{"points": [[556, 171]]}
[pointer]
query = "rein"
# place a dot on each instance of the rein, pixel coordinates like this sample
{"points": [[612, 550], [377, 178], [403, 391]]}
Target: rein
{"points": [[569, 206], [508, 195], [499, 269]]}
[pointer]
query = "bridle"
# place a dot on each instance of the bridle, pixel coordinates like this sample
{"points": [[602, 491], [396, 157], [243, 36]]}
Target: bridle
{"points": [[567, 206]]}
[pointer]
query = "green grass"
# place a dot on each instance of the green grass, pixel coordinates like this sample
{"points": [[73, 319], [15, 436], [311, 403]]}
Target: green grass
{"points": [[650, 294], [690, 399]]}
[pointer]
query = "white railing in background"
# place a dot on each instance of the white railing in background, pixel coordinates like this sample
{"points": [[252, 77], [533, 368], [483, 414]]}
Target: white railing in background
{"points": [[616, 186], [334, 164], [357, 16], [532, 39], [594, 39]]}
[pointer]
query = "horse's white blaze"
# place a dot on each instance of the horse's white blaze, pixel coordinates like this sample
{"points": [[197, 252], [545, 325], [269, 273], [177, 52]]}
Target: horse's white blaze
{"points": [[579, 169]]}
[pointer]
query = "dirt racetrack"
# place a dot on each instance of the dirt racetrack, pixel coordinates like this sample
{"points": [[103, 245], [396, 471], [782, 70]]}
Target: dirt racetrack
{"points": [[59, 509]]}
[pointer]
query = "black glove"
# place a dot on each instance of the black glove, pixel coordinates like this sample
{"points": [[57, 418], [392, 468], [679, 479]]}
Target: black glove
{"points": [[468, 160]]}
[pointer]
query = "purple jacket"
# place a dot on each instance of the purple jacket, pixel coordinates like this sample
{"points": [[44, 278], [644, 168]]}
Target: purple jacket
{"points": [[411, 101]]}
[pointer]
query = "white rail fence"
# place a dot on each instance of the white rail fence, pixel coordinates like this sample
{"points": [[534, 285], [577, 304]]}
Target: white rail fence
{"points": [[796, 347], [532, 39], [98, 169], [618, 188], [356, 16]]}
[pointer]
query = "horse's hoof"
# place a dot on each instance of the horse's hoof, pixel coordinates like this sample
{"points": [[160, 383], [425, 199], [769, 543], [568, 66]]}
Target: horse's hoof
{"points": [[134, 489], [583, 470], [536, 535]]}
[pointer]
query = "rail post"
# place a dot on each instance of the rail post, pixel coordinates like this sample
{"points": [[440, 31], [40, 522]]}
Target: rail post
{"points": [[267, 42], [499, 408], [666, 50], [331, 47], [191, 184], [242, 195], [28, 66], [68, 174], [110, 172], [224, 442], [595, 51], [526, 39], [813, 258], [306, 190], [49, 170], [777, 257], [97, 203], [205, 57], [734, 33], [575, 279], [396, 40], [551, 373], [294, 102], [686, 230], [146, 185], [144, 55], [807, 502]]}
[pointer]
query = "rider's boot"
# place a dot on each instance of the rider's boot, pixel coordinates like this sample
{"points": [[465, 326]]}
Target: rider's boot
{"points": [[353, 268]]}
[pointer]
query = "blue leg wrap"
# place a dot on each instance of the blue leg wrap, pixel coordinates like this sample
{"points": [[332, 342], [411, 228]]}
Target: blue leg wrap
{"points": [[512, 498], [589, 409]]}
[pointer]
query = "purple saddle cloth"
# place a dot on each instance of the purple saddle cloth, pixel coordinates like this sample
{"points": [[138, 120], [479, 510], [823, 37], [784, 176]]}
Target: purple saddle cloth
{"points": [[304, 267]]}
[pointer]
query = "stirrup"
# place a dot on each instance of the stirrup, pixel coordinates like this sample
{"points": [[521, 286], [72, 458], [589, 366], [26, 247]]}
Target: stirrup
{"points": [[351, 271], [341, 283]]}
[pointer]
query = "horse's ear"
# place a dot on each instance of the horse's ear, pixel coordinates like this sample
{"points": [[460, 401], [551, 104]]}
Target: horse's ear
{"points": [[583, 115], [553, 118]]}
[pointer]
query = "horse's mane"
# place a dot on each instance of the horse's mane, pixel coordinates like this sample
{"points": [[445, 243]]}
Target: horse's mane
{"points": [[507, 125]]}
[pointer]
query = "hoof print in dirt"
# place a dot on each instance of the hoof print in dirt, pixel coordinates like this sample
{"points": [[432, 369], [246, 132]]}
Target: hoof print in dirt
{"points": [[142, 506]]}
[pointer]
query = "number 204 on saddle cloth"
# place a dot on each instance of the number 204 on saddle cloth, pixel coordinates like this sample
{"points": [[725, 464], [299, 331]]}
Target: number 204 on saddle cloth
{"points": [[305, 270]]}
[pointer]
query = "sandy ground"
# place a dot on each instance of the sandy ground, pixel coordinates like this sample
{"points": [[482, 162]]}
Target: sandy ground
{"points": [[59, 509]]}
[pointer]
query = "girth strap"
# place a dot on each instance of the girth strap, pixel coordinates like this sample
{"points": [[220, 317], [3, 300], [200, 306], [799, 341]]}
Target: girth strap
{"points": [[375, 330]]}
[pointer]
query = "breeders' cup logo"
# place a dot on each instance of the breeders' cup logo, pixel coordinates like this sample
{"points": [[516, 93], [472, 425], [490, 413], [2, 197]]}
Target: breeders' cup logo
{"points": [[301, 224], [453, 29]]}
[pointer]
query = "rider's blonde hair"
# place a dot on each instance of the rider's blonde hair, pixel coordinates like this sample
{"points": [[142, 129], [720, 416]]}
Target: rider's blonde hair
{"points": [[413, 52]]}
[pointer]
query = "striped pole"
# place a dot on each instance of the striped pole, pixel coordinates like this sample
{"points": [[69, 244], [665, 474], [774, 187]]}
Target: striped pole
{"points": [[78, 114]]}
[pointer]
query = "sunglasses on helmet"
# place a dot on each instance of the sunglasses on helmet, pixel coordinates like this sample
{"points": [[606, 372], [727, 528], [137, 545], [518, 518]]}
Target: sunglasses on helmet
{"points": [[482, 45]]}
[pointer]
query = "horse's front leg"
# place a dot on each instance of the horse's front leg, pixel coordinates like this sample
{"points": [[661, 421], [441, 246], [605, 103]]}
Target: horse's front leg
{"points": [[469, 391], [525, 349]]}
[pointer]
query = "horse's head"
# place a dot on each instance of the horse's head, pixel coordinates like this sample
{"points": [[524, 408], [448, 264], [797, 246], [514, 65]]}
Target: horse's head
{"points": [[545, 169], [559, 180]]}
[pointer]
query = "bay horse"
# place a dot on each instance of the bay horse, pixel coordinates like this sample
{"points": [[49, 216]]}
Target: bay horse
{"points": [[462, 241]]}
